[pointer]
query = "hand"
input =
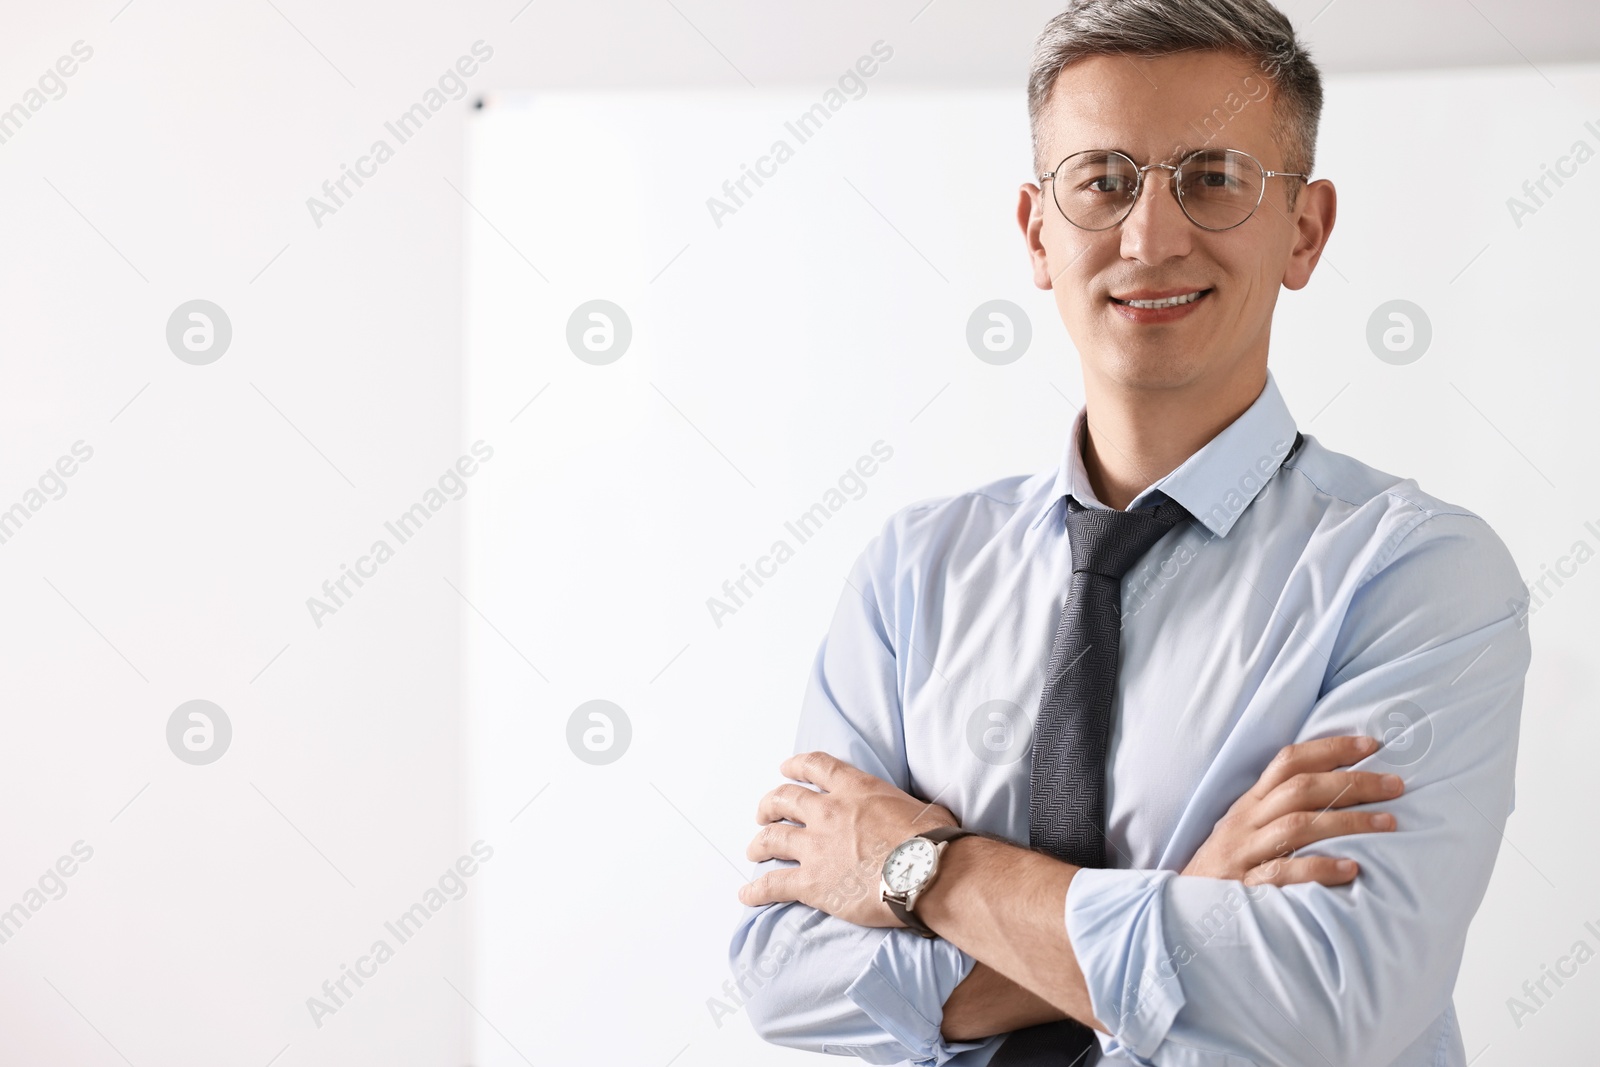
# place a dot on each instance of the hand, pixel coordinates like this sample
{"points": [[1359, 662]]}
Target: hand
{"points": [[1289, 808], [846, 833]]}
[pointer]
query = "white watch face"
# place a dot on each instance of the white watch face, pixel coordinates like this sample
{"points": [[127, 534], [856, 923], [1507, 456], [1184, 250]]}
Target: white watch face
{"points": [[909, 865]]}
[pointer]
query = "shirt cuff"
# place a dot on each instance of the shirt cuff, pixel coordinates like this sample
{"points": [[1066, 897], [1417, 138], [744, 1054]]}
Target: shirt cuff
{"points": [[903, 988], [1114, 921]]}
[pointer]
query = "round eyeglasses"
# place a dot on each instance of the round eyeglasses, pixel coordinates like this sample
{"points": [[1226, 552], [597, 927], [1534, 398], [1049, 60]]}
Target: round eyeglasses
{"points": [[1217, 188]]}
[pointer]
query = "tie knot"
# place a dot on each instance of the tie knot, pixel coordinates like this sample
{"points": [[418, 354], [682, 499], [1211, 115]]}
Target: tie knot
{"points": [[1109, 543]]}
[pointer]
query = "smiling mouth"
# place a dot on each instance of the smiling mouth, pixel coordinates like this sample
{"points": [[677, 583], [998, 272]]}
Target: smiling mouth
{"points": [[1165, 302]]}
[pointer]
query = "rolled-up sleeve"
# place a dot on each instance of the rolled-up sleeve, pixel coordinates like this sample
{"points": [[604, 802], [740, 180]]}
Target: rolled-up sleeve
{"points": [[821, 983], [1431, 657]]}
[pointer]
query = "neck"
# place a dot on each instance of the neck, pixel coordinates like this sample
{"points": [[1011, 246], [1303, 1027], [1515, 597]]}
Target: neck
{"points": [[1135, 436]]}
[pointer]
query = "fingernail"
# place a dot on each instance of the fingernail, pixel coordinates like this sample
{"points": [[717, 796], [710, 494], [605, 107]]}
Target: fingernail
{"points": [[1383, 821], [1347, 866], [1368, 744], [1392, 783]]}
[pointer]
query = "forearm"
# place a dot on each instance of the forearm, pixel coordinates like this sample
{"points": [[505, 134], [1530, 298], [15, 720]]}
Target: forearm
{"points": [[988, 1003], [1006, 906]]}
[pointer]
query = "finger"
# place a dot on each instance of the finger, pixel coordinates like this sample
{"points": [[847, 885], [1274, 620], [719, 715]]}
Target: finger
{"points": [[774, 841], [1319, 791], [819, 768], [1296, 870], [1298, 829], [772, 887], [1323, 754], [787, 801]]}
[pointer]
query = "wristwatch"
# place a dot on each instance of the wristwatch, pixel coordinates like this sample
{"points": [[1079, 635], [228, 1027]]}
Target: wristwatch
{"points": [[910, 869]]}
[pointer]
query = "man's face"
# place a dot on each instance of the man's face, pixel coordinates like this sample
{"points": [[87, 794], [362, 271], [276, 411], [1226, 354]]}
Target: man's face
{"points": [[1155, 110]]}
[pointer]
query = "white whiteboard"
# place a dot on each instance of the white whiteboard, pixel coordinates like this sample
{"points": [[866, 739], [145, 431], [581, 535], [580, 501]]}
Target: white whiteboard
{"points": [[827, 313]]}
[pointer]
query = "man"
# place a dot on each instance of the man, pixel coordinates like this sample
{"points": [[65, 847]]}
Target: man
{"points": [[1134, 676]]}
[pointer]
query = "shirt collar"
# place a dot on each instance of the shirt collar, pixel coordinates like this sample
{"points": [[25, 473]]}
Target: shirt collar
{"points": [[1216, 483]]}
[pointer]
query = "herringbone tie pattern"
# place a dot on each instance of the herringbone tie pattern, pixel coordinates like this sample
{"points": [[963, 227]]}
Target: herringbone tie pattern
{"points": [[1067, 805]]}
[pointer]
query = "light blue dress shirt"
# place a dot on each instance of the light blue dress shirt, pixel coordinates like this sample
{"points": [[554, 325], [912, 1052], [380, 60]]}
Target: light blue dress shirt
{"points": [[1324, 598]]}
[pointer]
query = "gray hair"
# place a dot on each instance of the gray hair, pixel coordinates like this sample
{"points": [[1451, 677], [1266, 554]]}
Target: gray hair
{"points": [[1253, 29]]}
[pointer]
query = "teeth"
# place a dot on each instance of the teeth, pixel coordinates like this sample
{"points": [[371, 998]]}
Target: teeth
{"points": [[1169, 302]]}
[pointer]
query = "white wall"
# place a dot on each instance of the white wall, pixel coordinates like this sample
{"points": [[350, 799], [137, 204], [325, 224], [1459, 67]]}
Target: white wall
{"points": [[178, 564], [177, 165]]}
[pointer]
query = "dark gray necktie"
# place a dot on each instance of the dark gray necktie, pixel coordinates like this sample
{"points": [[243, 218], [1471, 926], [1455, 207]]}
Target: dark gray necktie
{"points": [[1066, 807]]}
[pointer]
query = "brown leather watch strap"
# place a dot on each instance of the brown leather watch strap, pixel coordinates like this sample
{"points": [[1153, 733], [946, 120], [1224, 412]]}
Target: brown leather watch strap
{"points": [[900, 911], [946, 833]]}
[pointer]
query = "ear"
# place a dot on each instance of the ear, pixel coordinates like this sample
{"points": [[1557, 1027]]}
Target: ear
{"points": [[1313, 223], [1032, 202]]}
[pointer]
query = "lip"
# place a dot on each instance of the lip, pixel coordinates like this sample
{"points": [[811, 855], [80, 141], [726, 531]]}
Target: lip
{"points": [[1154, 316], [1158, 294]]}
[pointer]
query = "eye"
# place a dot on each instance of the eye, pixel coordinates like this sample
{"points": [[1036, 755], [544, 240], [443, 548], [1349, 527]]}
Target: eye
{"points": [[1121, 184]]}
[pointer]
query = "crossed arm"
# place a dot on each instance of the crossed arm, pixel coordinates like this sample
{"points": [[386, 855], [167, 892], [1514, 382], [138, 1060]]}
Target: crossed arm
{"points": [[1295, 803], [1178, 967]]}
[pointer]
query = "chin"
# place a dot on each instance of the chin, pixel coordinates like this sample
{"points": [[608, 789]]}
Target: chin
{"points": [[1153, 369]]}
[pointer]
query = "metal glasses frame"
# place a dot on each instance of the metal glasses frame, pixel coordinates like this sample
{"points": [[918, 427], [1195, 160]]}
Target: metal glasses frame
{"points": [[1174, 185]]}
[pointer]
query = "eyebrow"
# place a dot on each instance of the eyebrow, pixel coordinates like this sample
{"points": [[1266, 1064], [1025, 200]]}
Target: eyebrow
{"points": [[1172, 157]]}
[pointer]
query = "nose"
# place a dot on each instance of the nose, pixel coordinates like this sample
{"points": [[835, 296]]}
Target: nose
{"points": [[1156, 229]]}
